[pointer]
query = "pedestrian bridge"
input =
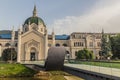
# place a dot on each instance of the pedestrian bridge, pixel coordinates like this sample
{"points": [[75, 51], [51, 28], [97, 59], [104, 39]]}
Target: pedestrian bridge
{"points": [[110, 73]]}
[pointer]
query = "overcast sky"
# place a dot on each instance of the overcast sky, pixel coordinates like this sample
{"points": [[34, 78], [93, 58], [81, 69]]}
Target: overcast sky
{"points": [[65, 16]]}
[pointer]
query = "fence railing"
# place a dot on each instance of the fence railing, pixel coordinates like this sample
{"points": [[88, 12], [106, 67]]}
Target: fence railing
{"points": [[111, 68]]}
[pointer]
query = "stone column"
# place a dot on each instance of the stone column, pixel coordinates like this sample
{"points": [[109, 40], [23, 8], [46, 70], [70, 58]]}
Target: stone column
{"points": [[19, 46], [46, 45]]}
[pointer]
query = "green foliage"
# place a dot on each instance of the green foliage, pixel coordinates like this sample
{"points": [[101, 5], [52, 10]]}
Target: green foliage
{"points": [[115, 46], [15, 70], [105, 46], [0, 58], [8, 54], [84, 54]]}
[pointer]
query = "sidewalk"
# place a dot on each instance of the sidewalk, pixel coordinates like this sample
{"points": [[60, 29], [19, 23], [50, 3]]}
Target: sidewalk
{"points": [[102, 70]]}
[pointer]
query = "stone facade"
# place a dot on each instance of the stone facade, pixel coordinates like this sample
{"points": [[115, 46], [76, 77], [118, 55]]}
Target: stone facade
{"points": [[32, 41]]}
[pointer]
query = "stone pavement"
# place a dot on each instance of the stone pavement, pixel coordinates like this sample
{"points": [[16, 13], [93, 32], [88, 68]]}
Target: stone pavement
{"points": [[72, 78], [98, 69]]}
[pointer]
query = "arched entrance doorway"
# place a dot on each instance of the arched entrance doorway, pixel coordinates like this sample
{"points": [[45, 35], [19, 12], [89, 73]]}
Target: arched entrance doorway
{"points": [[33, 53]]}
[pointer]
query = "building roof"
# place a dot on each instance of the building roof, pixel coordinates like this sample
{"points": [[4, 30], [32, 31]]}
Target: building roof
{"points": [[35, 20], [6, 34], [62, 37]]}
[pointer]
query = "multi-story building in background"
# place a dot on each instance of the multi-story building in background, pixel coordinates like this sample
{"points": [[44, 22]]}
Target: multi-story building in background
{"points": [[32, 41]]}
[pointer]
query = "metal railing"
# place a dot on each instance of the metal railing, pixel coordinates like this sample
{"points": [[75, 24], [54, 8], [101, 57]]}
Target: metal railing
{"points": [[111, 68]]}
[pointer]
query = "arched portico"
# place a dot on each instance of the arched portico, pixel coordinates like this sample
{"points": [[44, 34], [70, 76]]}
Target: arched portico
{"points": [[33, 54]]}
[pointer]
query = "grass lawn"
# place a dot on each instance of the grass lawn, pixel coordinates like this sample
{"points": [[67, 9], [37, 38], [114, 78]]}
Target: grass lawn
{"points": [[17, 70], [14, 70], [102, 64]]}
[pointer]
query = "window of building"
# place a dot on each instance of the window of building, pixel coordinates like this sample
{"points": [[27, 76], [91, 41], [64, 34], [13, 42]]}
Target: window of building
{"points": [[98, 44], [78, 44], [65, 45], [91, 44], [57, 45], [82, 44], [26, 29], [79, 36], [73, 36], [83, 36], [7, 44], [75, 44]]}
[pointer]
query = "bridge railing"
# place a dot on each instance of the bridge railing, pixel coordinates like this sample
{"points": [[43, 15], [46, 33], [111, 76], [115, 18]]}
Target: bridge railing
{"points": [[100, 66]]}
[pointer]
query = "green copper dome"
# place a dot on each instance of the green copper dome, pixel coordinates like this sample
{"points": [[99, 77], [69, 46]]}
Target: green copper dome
{"points": [[35, 20]]}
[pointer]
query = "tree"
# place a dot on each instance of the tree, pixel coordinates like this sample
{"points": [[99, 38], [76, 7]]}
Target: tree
{"points": [[115, 46], [84, 54], [105, 46], [0, 58], [9, 54]]}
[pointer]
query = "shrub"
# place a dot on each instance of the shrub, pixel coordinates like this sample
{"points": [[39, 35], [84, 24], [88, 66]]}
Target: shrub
{"points": [[84, 54]]}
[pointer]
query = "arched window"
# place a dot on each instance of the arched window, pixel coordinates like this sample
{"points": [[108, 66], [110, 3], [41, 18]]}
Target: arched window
{"points": [[65, 45], [98, 44], [7, 44], [91, 44], [26, 29], [57, 44]]}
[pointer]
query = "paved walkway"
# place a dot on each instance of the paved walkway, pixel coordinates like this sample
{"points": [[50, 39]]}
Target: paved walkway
{"points": [[98, 69], [72, 78], [103, 70]]}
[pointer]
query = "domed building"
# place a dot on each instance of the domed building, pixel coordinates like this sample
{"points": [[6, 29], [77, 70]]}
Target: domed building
{"points": [[32, 41]]}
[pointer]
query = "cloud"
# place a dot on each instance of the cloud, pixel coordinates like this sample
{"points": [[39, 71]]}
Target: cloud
{"points": [[104, 14]]}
